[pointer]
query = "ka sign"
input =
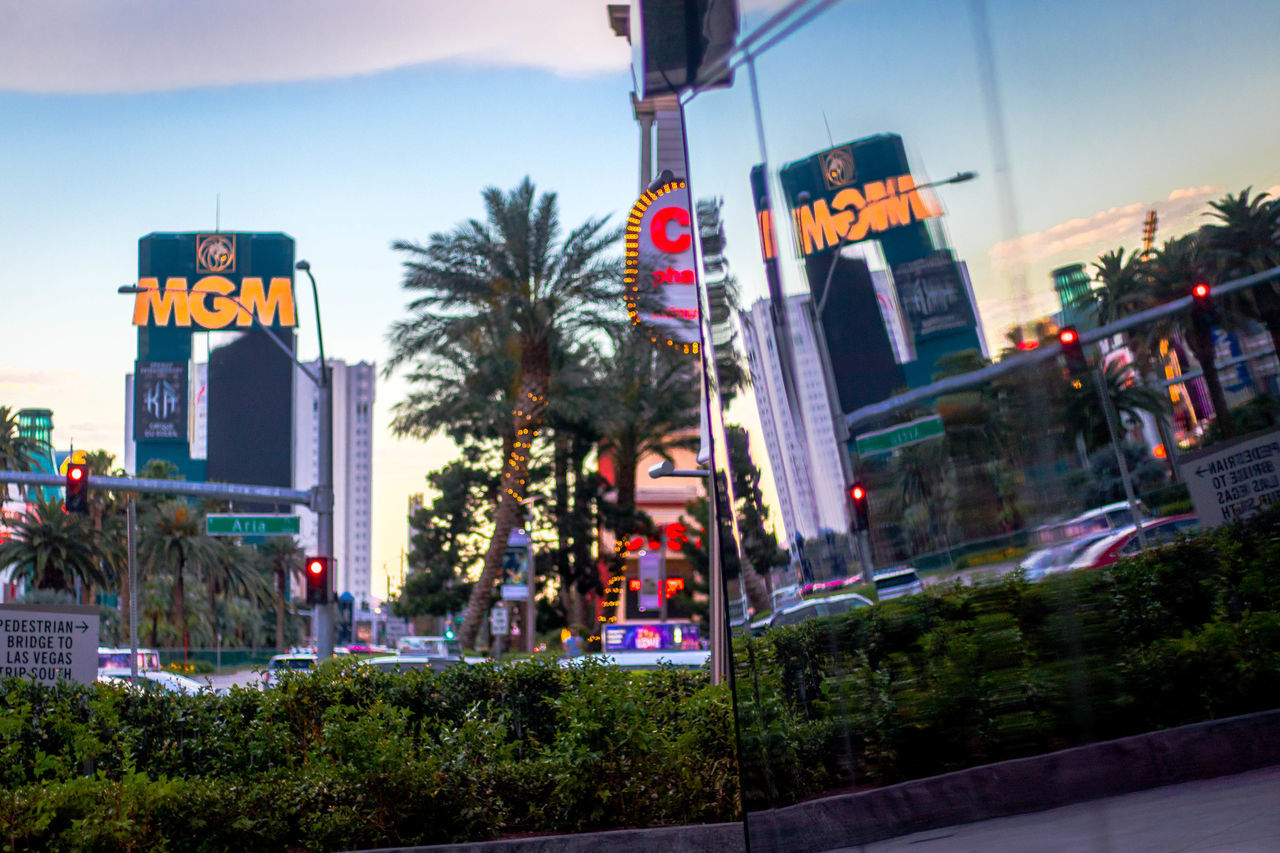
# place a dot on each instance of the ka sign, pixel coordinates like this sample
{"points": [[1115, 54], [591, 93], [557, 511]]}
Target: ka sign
{"points": [[661, 279]]}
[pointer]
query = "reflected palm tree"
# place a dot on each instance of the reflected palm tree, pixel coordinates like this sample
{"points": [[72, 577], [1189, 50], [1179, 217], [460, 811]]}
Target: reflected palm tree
{"points": [[52, 549]]}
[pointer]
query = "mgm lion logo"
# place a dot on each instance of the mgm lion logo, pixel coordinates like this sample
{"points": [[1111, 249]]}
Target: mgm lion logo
{"points": [[837, 168], [215, 253]]}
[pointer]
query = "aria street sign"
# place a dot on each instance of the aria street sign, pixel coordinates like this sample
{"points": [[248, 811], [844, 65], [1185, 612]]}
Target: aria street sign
{"points": [[902, 435], [222, 524]]}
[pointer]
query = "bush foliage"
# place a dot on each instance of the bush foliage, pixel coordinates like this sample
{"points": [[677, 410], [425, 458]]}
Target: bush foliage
{"points": [[964, 676], [349, 757]]}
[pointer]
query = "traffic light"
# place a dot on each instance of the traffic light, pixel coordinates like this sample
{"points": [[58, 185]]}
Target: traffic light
{"points": [[1203, 312], [861, 515], [317, 577], [1072, 351], [77, 499]]}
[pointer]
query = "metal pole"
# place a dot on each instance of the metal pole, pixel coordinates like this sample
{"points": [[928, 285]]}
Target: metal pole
{"points": [[324, 613], [1113, 427], [131, 519]]}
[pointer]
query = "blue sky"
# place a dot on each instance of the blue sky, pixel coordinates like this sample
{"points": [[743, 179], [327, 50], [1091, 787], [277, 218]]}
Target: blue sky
{"points": [[349, 125]]}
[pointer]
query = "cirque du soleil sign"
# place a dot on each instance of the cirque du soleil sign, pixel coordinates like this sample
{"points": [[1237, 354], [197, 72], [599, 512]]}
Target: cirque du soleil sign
{"points": [[660, 278]]}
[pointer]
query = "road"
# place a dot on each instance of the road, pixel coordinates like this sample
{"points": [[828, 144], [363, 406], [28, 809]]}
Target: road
{"points": [[1232, 813], [978, 574]]}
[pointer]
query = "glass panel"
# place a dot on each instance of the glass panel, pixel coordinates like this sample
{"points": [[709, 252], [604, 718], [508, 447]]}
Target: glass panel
{"points": [[941, 189]]}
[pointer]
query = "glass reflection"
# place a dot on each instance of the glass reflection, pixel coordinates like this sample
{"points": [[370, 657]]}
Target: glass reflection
{"points": [[1018, 578]]}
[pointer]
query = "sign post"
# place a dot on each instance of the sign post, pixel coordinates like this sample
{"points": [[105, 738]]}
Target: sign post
{"points": [[49, 642], [1234, 479]]}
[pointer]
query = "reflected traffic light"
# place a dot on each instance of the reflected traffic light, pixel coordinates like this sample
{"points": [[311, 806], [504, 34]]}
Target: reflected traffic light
{"points": [[77, 498]]}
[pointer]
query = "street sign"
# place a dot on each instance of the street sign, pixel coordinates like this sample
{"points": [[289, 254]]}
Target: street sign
{"points": [[498, 624], [1233, 479], [49, 642], [902, 435], [221, 524]]}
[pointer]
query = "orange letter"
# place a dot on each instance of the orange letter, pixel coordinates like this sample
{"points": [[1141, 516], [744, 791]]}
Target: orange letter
{"points": [[277, 300], [225, 309], [173, 301]]}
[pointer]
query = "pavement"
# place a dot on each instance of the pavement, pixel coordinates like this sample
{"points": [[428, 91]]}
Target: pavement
{"points": [[1239, 813]]}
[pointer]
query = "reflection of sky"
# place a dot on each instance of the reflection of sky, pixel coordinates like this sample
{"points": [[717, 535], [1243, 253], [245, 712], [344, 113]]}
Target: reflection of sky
{"points": [[1108, 111]]}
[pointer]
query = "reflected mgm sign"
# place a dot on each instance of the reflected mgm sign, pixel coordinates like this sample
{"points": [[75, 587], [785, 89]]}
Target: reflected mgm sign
{"points": [[661, 281], [160, 401]]}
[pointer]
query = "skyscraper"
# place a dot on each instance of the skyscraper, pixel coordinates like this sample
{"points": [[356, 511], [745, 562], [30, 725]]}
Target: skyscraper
{"points": [[353, 396]]}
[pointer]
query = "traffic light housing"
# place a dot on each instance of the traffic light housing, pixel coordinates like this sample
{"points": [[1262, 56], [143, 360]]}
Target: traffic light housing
{"points": [[861, 514], [77, 498], [1072, 351], [316, 572], [1204, 313]]}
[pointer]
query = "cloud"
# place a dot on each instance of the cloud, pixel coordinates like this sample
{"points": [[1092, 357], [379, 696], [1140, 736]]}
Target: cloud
{"points": [[12, 377], [1102, 230], [87, 46]]}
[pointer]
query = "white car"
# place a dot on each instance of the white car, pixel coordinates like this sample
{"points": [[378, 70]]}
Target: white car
{"points": [[1058, 558], [897, 582], [815, 607], [169, 682], [294, 662]]}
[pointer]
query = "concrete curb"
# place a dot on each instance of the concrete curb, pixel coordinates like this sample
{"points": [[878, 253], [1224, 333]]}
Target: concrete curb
{"points": [[1023, 785], [1020, 786]]}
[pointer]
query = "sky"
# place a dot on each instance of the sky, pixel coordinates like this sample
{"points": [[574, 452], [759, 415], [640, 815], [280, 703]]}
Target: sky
{"points": [[349, 125]]}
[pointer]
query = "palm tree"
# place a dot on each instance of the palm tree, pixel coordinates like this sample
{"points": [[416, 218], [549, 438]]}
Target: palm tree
{"points": [[513, 278], [170, 541], [1083, 418], [17, 452], [1177, 267], [236, 571], [1247, 235], [284, 556], [52, 549], [1126, 287]]}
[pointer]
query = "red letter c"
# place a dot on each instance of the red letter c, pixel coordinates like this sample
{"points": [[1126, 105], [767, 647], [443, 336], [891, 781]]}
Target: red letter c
{"points": [[658, 230]]}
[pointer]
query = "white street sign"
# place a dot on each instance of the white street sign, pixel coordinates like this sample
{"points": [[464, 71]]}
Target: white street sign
{"points": [[1234, 479], [49, 642], [498, 620]]}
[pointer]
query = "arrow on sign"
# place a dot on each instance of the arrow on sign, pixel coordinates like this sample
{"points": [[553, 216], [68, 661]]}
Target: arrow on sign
{"points": [[83, 626], [1200, 471]]}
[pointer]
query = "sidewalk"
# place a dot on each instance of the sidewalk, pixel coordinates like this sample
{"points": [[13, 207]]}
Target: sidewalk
{"points": [[1233, 813]]}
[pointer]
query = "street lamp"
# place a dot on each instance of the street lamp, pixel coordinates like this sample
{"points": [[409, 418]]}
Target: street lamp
{"points": [[322, 499]]}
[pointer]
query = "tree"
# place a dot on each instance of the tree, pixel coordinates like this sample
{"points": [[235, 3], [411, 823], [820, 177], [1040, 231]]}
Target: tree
{"points": [[17, 452], [52, 549], [1083, 415], [1246, 234], [284, 557], [170, 542], [508, 285]]}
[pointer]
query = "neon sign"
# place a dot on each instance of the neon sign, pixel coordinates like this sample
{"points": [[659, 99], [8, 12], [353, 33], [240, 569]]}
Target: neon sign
{"points": [[200, 306], [853, 214], [661, 282]]}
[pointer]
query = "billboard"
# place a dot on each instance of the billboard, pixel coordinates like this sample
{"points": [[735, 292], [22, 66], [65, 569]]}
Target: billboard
{"points": [[661, 636], [661, 278], [160, 401], [933, 295]]}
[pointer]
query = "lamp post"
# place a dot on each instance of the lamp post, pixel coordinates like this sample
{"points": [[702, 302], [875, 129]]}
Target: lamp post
{"points": [[322, 503]]}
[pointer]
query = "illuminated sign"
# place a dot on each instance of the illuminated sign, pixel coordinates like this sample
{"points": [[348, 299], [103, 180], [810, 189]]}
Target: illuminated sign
{"points": [[852, 214], [204, 307], [662, 288]]}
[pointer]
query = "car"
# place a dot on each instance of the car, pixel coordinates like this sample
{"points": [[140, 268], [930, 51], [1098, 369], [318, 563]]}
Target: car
{"points": [[1125, 543], [636, 661], [437, 647], [897, 582], [393, 663], [168, 682], [1111, 517], [292, 662], [1058, 558], [117, 659], [831, 605]]}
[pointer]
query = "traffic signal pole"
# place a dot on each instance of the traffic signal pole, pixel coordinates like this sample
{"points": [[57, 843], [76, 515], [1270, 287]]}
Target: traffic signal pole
{"points": [[323, 616]]}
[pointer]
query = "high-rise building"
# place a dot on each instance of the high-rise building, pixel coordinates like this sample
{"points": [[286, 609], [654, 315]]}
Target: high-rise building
{"points": [[353, 396], [803, 452], [1073, 284]]}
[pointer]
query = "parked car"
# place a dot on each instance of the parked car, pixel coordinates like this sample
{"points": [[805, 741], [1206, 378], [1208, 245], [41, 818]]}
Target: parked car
{"points": [[1124, 543], [815, 607], [392, 663], [117, 659], [897, 582], [292, 662], [169, 682]]}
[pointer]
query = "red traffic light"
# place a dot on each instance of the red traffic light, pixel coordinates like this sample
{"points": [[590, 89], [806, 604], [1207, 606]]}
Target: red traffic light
{"points": [[858, 492], [317, 578], [75, 472], [77, 489], [1200, 291], [1068, 336]]}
